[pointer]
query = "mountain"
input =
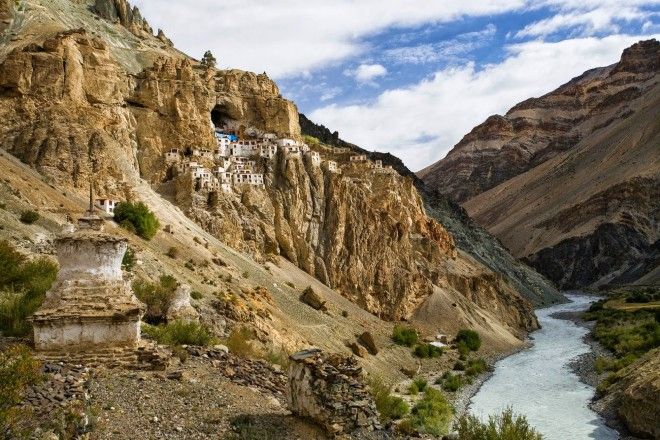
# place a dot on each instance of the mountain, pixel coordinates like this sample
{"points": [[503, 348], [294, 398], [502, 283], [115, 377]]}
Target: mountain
{"points": [[468, 236], [89, 95], [569, 181]]}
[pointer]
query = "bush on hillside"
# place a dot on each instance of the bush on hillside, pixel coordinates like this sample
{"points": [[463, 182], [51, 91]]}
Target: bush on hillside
{"points": [[427, 351], [430, 415], [506, 426], [23, 286], [470, 338], [137, 218], [179, 333], [128, 260], [28, 217], [404, 336], [389, 407], [156, 296], [476, 367]]}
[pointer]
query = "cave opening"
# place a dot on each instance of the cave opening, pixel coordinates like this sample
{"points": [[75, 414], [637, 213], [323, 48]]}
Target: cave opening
{"points": [[220, 117]]}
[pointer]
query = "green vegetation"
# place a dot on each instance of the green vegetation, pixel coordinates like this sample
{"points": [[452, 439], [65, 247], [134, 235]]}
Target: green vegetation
{"points": [[404, 336], [156, 296], [208, 60], [389, 407], [418, 385], [450, 382], [311, 140], [196, 294], [628, 334], [279, 357], [427, 351], [137, 218], [28, 217], [172, 252], [506, 426], [430, 415], [470, 338], [644, 296], [248, 427], [179, 333], [18, 370], [23, 286], [128, 261], [476, 367]]}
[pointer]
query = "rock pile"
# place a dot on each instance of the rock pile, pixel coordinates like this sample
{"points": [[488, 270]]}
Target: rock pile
{"points": [[329, 390], [248, 372]]}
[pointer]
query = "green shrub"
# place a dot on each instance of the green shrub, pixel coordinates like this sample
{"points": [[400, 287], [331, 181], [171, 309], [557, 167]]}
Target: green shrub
{"points": [[389, 407], [404, 336], [420, 383], [459, 366], [156, 296], [179, 333], [239, 342], [128, 261], [463, 350], [452, 382], [471, 339], [23, 286], [427, 351], [476, 367], [506, 426], [196, 294], [18, 370], [431, 414], [142, 221], [28, 217], [279, 357]]}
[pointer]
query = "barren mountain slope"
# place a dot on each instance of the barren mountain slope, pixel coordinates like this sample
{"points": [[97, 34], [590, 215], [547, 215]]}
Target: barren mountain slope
{"points": [[589, 215], [570, 181], [104, 104]]}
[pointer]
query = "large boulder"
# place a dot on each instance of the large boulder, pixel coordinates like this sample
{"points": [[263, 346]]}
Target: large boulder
{"points": [[313, 299], [180, 307]]}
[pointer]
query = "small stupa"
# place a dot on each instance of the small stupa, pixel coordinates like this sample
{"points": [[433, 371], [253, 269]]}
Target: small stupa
{"points": [[90, 305]]}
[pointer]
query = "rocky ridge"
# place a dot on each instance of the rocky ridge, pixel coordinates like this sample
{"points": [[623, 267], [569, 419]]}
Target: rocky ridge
{"points": [[544, 179]]}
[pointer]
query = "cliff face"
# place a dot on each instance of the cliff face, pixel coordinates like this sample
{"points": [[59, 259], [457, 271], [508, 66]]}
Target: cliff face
{"points": [[566, 179], [468, 236], [105, 108], [634, 396]]}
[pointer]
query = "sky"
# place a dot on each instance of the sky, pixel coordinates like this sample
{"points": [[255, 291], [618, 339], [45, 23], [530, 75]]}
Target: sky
{"points": [[410, 77]]}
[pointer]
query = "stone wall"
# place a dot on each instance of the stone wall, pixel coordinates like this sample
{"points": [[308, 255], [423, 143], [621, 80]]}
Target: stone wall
{"points": [[330, 390]]}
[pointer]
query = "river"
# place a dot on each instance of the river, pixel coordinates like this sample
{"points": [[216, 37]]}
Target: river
{"points": [[539, 383]]}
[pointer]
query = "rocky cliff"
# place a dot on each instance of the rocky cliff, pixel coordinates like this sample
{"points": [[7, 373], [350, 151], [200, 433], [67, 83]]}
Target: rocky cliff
{"points": [[468, 236], [633, 398], [92, 95], [568, 179]]}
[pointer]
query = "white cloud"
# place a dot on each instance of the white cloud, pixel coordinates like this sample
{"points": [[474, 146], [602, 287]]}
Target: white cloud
{"points": [[366, 73], [442, 50], [288, 37], [422, 122]]}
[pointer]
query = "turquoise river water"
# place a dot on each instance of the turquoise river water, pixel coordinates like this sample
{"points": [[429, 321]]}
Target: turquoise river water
{"points": [[539, 383]]}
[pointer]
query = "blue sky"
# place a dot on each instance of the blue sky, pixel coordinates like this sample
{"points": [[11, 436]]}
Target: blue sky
{"points": [[408, 76]]}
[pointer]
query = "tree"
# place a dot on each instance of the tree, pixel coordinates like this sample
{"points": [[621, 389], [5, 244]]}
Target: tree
{"points": [[208, 59]]}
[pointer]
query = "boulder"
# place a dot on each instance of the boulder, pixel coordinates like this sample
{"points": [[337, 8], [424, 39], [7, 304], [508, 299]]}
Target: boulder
{"points": [[358, 350], [368, 341], [180, 308], [313, 299]]}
